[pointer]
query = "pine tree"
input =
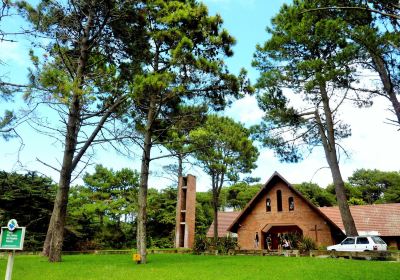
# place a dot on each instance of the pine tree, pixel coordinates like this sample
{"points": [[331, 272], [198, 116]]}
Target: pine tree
{"points": [[308, 54], [223, 149]]}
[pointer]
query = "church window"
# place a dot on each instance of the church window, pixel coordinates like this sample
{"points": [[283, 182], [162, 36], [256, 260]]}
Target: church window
{"points": [[279, 200], [268, 206], [291, 204]]}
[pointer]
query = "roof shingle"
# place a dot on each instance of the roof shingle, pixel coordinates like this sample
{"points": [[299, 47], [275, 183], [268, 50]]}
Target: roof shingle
{"points": [[377, 219], [225, 219]]}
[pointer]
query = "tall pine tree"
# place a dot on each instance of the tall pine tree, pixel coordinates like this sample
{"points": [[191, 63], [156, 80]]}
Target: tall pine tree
{"points": [[80, 79], [308, 54], [185, 67]]}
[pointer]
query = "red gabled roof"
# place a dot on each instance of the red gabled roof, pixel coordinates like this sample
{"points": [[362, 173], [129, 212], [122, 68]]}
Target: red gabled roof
{"points": [[271, 181], [225, 219], [377, 219]]}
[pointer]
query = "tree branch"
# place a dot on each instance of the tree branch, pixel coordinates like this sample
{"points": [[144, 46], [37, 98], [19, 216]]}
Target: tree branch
{"points": [[96, 131], [352, 8], [48, 165]]}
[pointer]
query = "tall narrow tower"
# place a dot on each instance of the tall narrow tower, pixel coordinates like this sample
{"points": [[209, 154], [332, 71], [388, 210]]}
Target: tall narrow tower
{"points": [[185, 212]]}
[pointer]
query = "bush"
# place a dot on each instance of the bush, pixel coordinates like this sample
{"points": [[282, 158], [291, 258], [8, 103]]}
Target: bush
{"points": [[294, 239], [305, 244], [223, 244], [392, 248], [201, 244], [161, 243]]}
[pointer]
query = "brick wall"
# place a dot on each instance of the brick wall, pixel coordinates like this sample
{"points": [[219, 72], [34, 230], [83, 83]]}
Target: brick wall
{"points": [[303, 216]]}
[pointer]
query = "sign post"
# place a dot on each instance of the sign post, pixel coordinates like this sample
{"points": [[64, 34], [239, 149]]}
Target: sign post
{"points": [[11, 239], [10, 264]]}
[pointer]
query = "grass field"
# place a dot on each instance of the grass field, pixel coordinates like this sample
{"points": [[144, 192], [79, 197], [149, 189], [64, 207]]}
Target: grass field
{"points": [[191, 267]]}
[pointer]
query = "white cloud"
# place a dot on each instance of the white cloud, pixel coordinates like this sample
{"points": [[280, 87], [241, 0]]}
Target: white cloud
{"points": [[12, 53], [245, 110], [226, 4], [374, 143]]}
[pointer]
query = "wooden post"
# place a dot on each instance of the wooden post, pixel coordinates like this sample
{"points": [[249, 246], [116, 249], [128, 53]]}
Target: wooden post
{"points": [[10, 264]]}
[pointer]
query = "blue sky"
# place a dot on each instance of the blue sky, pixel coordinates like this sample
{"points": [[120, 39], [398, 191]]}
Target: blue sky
{"points": [[373, 144]]}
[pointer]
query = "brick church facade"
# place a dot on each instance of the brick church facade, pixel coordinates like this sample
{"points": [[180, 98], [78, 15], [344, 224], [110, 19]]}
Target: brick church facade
{"points": [[279, 209]]}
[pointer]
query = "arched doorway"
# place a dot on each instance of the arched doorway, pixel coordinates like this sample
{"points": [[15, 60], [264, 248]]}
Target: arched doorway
{"points": [[272, 234]]}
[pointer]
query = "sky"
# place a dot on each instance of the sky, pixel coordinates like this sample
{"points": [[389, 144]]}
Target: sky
{"points": [[373, 144]]}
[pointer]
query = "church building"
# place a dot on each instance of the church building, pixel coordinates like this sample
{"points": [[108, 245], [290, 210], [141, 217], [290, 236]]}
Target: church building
{"points": [[279, 209]]}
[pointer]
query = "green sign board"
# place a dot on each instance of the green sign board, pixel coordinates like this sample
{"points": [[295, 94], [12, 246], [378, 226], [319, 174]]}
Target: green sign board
{"points": [[12, 240]]}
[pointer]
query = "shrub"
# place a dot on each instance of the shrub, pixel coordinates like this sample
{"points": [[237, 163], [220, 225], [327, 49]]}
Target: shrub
{"points": [[294, 239], [162, 243], [223, 244], [306, 244], [392, 248], [201, 244]]}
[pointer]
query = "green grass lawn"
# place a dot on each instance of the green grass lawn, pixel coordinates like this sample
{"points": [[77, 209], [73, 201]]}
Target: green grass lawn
{"points": [[191, 267]]}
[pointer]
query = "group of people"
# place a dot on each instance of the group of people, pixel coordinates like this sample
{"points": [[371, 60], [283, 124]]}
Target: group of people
{"points": [[283, 242]]}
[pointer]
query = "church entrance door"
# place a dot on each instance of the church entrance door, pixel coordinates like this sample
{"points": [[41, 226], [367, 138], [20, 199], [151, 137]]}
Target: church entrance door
{"points": [[274, 235]]}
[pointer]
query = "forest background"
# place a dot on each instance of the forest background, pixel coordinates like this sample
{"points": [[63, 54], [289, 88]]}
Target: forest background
{"points": [[101, 212]]}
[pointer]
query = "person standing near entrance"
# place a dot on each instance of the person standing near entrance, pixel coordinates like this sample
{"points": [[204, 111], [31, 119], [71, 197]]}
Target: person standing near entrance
{"points": [[269, 242], [280, 241], [256, 240]]}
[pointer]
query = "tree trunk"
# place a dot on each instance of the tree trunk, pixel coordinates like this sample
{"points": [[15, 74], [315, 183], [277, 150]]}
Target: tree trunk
{"points": [[55, 233], [101, 220], [141, 233], [217, 181], [180, 174], [215, 208], [387, 83], [180, 166], [46, 245], [142, 203], [344, 208], [60, 215], [328, 140]]}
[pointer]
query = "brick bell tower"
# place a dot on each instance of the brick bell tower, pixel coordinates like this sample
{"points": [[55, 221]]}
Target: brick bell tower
{"points": [[185, 212]]}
